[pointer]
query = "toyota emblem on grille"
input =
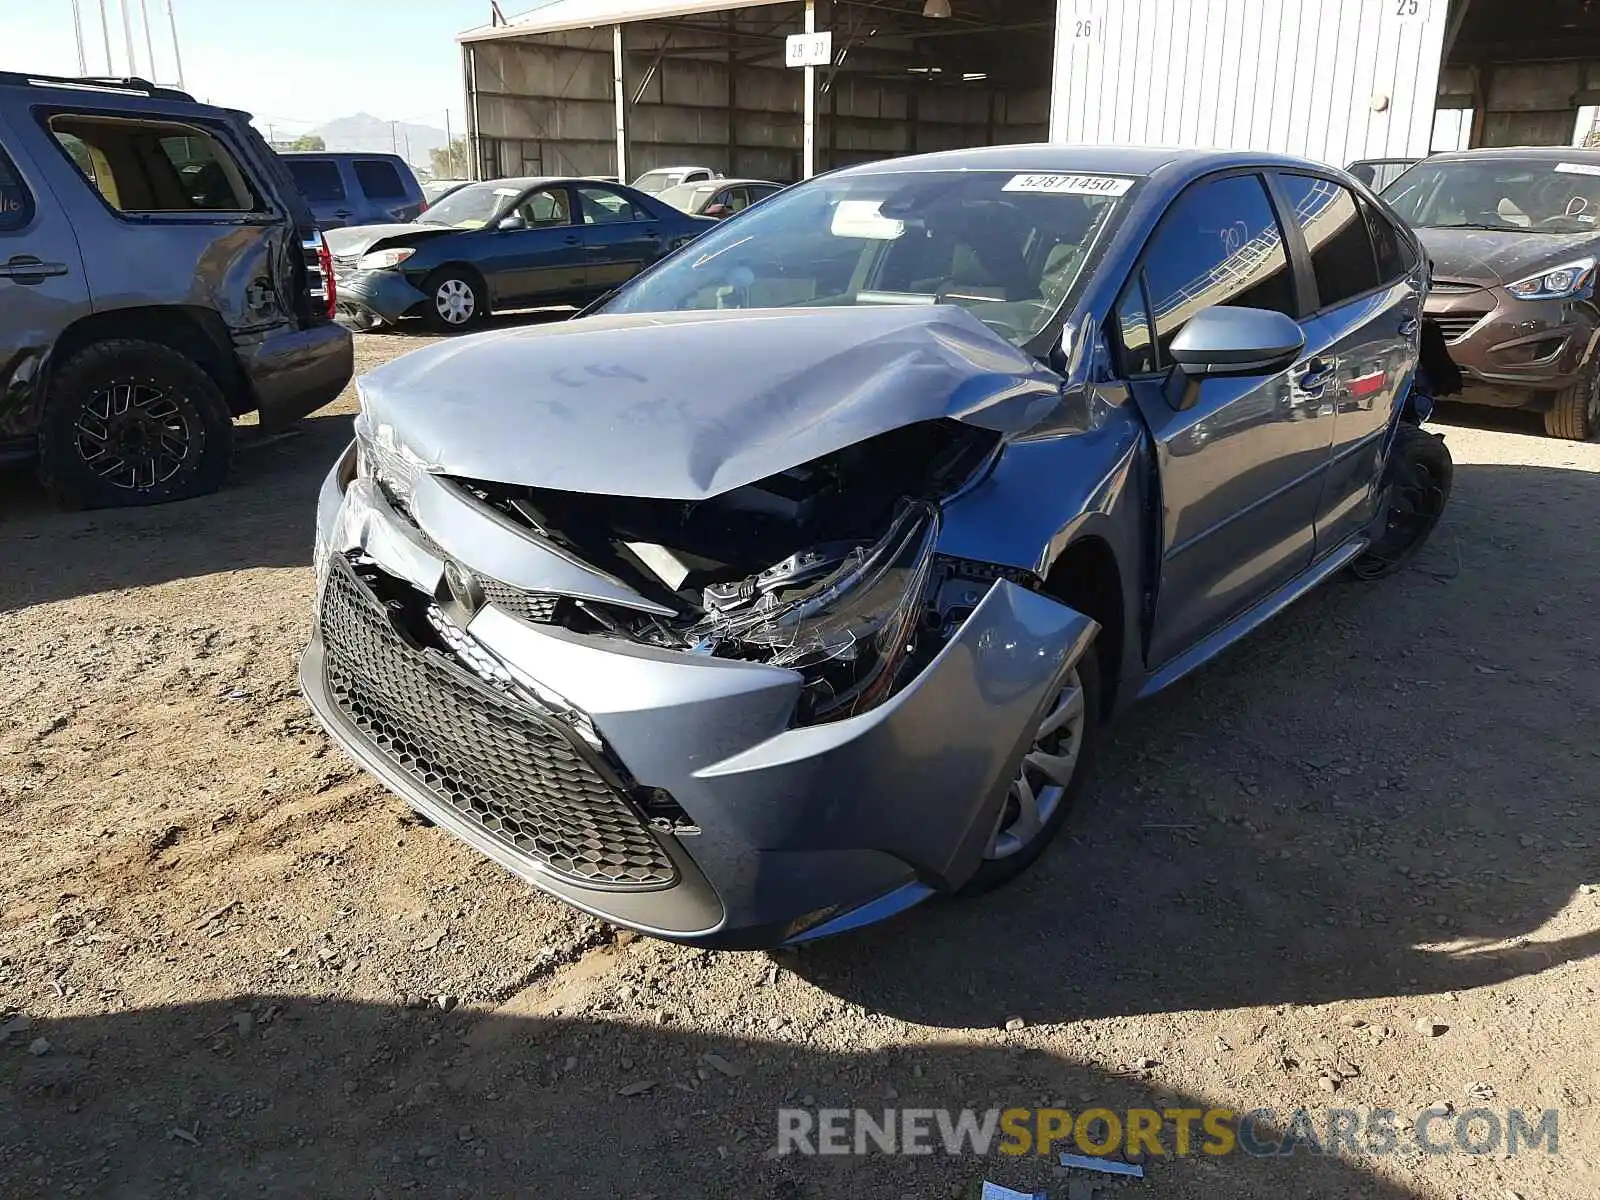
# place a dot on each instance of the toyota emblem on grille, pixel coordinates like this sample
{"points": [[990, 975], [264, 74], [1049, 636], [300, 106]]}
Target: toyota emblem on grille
{"points": [[463, 585]]}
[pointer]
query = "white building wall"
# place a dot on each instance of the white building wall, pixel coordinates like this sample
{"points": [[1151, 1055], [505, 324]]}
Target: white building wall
{"points": [[1332, 80]]}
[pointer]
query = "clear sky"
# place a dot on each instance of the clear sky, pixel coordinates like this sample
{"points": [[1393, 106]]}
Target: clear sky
{"points": [[293, 63]]}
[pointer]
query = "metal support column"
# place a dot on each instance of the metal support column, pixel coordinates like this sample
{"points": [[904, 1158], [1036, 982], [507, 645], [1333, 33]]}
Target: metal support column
{"points": [[469, 79], [809, 164], [618, 87]]}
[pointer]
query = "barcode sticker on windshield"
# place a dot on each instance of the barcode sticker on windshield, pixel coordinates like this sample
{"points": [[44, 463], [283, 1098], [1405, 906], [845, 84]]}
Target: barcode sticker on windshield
{"points": [[1070, 185], [1578, 168]]}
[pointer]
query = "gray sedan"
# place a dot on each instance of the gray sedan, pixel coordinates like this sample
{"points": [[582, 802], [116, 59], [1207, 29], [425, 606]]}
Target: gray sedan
{"points": [[794, 584]]}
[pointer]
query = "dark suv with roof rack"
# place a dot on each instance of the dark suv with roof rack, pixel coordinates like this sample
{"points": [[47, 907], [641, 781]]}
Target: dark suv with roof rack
{"points": [[160, 275]]}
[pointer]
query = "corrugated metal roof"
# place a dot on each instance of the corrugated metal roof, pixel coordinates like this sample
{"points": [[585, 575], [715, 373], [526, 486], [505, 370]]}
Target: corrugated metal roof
{"points": [[553, 16]]}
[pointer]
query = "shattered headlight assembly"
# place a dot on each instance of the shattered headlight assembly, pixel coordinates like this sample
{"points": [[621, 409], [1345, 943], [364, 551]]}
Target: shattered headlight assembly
{"points": [[851, 634], [1571, 281], [384, 260]]}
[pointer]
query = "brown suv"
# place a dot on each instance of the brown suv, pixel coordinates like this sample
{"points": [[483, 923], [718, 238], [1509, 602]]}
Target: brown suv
{"points": [[1514, 236]]}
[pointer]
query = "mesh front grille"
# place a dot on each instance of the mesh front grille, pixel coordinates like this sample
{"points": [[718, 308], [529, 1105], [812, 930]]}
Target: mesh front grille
{"points": [[537, 607], [499, 763], [1456, 325]]}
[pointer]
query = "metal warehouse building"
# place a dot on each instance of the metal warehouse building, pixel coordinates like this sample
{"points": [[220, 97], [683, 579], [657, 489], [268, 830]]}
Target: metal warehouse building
{"points": [[616, 87]]}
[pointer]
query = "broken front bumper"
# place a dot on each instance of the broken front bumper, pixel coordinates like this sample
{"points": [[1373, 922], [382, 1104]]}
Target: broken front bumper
{"points": [[362, 296], [787, 831]]}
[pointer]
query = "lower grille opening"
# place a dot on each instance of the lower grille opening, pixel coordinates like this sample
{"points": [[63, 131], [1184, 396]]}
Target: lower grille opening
{"points": [[506, 766]]}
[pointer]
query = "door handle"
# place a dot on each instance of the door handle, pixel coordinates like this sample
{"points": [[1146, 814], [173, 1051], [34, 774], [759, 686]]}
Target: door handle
{"points": [[1317, 376], [24, 268], [344, 214], [1409, 326], [574, 241]]}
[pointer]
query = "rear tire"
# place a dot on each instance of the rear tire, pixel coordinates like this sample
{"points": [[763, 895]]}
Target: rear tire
{"points": [[1574, 413], [130, 422], [457, 302], [1009, 855]]}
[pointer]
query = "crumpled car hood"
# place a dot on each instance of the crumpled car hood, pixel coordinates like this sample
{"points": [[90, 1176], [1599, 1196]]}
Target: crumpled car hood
{"points": [[355, 240], [1493, 256], [683, 406]]}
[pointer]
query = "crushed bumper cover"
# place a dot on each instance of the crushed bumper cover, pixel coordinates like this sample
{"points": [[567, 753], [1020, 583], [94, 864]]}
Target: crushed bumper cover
{"points": [[796, 832], [294, 374], [365, 295]]}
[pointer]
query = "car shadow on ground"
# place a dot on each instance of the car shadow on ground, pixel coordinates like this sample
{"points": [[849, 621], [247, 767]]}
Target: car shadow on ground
{"points": [[1385, 793], [263, 517], [278, 1096]]}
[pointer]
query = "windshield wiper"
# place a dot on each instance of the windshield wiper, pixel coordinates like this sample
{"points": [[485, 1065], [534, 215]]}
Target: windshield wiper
{"points": [[1478, 225]]}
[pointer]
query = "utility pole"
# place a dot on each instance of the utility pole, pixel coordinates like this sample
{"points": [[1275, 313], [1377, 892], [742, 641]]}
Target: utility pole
{"points": [[77, 32], [394, 138], [449, 148], [149, 45], [177, 58], [105, 32], [127, 36]]}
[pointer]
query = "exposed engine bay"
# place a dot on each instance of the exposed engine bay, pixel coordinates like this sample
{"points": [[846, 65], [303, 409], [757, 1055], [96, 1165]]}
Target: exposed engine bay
{"points": [[827, 568]]}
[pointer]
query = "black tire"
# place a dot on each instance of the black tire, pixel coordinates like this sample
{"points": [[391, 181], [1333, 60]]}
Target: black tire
{"points": [[130, 422], [993, 872], [1574, 413], [1416, 489], [454, 278]]}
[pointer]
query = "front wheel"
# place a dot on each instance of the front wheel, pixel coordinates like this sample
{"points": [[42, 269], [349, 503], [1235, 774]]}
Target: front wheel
{"points": [[1574, 413], [1417, 487], [456, 300], [1048, 781], [130, 422]]}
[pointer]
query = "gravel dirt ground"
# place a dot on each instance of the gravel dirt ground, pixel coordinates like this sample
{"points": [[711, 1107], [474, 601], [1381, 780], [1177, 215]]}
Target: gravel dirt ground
{"points": [[230, 965]]}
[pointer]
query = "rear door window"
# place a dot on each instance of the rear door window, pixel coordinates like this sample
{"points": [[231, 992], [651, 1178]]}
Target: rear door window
{"points": [[143, 166], [1336, 234], [379, 179], [16, 202], [602, 206], [318, 179], [1219, 244]]}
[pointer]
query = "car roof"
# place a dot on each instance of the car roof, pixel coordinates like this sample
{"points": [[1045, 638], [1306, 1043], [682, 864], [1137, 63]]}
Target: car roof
{"points": [[1111, 160], [108, 92], [717, 183], [682, 167], [1554, 153]]}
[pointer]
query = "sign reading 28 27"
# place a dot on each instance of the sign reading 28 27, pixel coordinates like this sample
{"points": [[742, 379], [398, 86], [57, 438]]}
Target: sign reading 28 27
{"points": [[1070, 185]]}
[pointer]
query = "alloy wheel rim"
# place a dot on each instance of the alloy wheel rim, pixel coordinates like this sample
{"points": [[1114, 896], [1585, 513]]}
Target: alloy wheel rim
{"points": [[1592, 412], [135, 436], [1047, 770], [455, 301]]}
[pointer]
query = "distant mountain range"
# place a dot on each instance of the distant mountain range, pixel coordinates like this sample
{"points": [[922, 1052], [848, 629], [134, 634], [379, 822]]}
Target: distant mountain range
{"points": [[367, 132]]}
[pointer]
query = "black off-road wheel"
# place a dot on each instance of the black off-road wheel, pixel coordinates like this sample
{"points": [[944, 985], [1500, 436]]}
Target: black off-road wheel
{"points": [[1048, 781], [131, 422], [458, 301], [1417, 488], [1574, 413]]}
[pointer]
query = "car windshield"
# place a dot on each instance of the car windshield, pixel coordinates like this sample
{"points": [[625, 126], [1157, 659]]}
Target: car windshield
{"points": [[656, 182], [1539, 195], [688, 197], [471, 207], [1009, 248]]}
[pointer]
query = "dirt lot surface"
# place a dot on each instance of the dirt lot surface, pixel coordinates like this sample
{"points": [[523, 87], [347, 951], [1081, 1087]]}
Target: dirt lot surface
{"points": [[230, 965]]}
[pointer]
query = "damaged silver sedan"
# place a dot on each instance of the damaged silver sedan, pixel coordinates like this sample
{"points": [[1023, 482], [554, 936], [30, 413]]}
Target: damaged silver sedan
{"points": [[793, 585]]}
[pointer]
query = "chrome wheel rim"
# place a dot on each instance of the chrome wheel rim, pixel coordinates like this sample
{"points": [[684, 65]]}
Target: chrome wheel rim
{"points": [[455, 301], [135, 436], [1047, 770]]}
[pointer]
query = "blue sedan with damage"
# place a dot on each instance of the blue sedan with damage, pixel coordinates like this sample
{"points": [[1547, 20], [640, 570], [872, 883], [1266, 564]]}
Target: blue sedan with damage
{"points": [[508, 243], [796, 583]]}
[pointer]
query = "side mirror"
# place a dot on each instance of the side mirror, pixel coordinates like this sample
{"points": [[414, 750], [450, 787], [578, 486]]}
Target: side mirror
{"points": [[1222, 341], [511, 222], [719, 211]]}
